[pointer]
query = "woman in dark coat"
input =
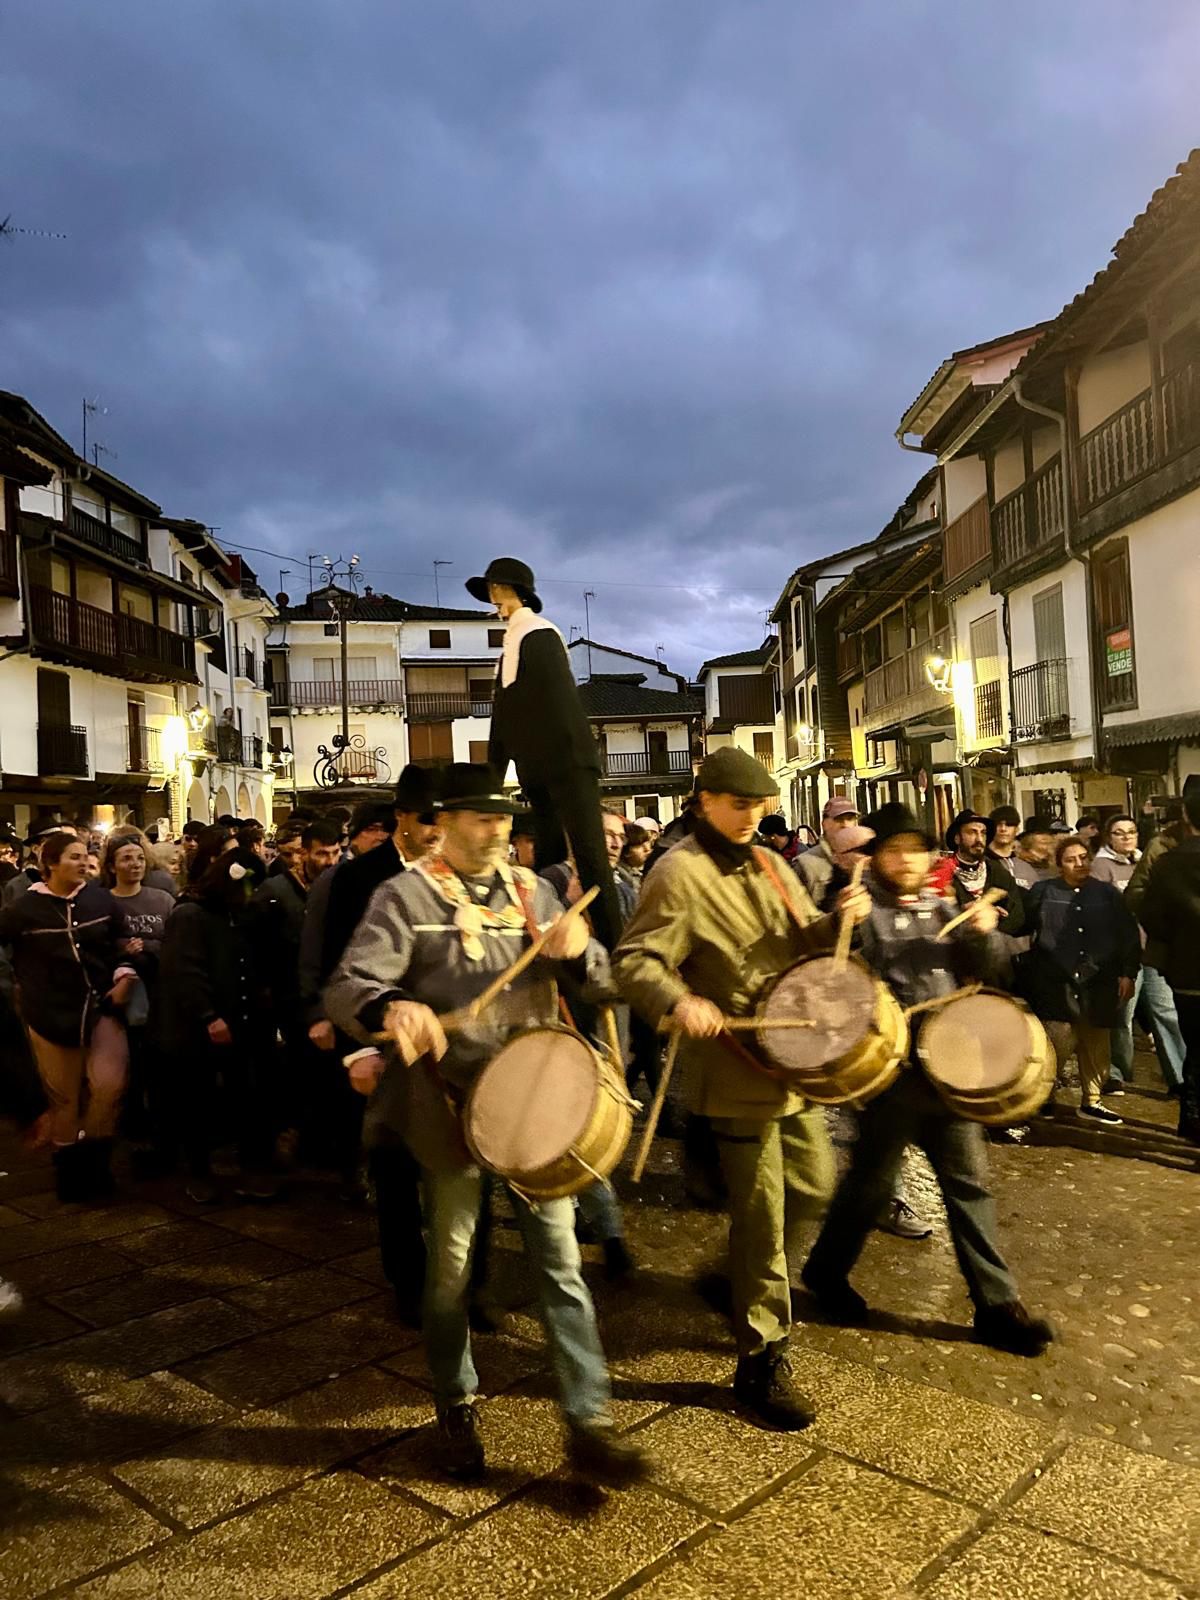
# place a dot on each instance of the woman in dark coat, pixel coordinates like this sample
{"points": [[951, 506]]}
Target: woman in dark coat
{"points": [[71, 985], [216, 1024], [1081, 967]]}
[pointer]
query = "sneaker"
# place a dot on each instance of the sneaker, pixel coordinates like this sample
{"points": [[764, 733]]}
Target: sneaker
{"points": [[202, 1191], [838, 1301], [618, 1263], [11, 1300], [1114, 1086], [766, 1385], [1101, 1114], [459, 1448], [1010, 1327], [900, 1219], [257, 1186], [596, 1451]]}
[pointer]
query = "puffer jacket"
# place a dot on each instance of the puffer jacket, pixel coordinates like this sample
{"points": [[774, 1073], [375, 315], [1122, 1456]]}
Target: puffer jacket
{"points": [[64, 958]]}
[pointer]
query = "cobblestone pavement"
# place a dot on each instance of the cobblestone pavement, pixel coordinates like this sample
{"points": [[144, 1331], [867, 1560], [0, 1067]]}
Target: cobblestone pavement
{"points": [[205, 1406]]}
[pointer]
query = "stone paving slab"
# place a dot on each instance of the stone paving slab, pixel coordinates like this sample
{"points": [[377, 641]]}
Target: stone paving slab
{"points": [[268, 1365], [716, 1459], [555, 1541], [95, 1360], [174, 1283], [1133, 1506], [69, 1268], [176, 1240], [212, 1474], [501, 1360], [302, 1546], [49, 1539], [81, 1227], [1008, 1561], [835, 1532], [296, 1296]]}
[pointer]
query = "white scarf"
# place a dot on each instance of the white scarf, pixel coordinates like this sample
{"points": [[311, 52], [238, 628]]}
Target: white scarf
{"points": [[522, 622]]}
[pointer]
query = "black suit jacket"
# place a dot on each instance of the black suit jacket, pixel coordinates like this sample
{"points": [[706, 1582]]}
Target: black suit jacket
{"points": [[350, 894], [539, 721]]}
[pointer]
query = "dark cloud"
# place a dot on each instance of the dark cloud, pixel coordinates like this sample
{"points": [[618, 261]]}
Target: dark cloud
{"points": [[638, 290]]}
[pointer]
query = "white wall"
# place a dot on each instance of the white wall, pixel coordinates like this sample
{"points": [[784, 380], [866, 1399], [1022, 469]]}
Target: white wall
{"points": [[966, 481], [971, 607], [467, 639], [1164, 570], [1071, 576], [1108, 381], [587, 661], [1008, 468], [629, 737]]}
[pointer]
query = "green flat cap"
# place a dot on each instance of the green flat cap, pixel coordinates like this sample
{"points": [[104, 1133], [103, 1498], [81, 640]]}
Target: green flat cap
{"points": [[732, 771]]}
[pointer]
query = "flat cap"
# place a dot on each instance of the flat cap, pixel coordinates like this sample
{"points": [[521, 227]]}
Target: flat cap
{"points": [[732, 771]]}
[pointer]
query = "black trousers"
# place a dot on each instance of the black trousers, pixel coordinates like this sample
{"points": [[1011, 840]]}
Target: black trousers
{"points": [[568, 809], [1187, 1007]]}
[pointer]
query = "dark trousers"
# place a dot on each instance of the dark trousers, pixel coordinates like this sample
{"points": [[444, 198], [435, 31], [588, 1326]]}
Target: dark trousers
{"points": [[911, 1113], [568, 809], [227, 1092], [1187, 1008]]}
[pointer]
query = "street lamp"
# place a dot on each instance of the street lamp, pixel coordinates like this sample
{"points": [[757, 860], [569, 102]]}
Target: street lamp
{"points": [[341, 568], [939, 671]]}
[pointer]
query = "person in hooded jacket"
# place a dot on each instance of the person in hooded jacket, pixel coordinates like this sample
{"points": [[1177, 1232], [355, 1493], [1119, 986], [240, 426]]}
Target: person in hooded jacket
{"points": [[1171, 914], [71, 985], [215, 1013]]}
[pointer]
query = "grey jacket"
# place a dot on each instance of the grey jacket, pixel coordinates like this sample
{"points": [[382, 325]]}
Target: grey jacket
{"points": [[814, 868]]}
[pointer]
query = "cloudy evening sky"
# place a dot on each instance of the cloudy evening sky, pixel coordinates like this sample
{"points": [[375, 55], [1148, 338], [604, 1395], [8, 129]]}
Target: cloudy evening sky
{"points": [[637, 290]]}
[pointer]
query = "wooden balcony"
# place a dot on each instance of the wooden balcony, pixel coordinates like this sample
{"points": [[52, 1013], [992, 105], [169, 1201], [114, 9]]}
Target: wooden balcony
{"points": [[901, 686], [300, 692], [849, 656], [101, 537], [442, 707], [1128, 445], [645, 763], [62, 751], [1030, 519], [9, 582], [967, 542], [1041, 705], [109, 641]]}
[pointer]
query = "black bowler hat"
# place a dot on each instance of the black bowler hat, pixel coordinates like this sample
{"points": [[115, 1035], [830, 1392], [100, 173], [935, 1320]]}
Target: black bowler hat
{"points": [[417, 789], [507, 569], [892, 820], [960, 822], [474, 786]]}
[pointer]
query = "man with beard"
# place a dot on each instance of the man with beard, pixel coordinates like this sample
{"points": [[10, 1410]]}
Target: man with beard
{"points": [[968, 872], [1034, 860]]}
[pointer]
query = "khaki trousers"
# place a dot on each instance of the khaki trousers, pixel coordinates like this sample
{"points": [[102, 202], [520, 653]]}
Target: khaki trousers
{"points": [[67, 1071], [1091, 1048], [779, 1175]]}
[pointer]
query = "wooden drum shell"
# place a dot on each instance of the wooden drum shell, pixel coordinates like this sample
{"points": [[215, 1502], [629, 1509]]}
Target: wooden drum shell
{"points": [[856, 1074], [1002, 1103]]}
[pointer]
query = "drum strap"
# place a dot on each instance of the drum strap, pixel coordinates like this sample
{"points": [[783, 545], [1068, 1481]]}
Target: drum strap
{"points": [[763, 858], [535, 933]]}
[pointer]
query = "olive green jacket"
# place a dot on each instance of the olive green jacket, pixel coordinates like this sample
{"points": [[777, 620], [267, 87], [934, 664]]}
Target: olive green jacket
{"points": [[720, 930]]}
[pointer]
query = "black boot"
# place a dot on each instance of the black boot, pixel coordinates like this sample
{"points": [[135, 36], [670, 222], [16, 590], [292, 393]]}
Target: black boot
{"points": [[97, 1156], [838, 1301], [459, 1448], [765, 1385], [596, 1451], [1010, 1327], [70, 1174]]}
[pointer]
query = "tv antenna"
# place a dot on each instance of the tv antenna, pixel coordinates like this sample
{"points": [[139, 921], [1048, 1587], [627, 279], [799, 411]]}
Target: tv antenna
{"points": [[437, 595], [9, 230], [91, 408], [99, 450]]}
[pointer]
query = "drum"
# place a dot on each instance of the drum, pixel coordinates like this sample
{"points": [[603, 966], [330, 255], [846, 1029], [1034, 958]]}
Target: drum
{"points": [[988, 1057], [860, 1038], [548, 1115]]}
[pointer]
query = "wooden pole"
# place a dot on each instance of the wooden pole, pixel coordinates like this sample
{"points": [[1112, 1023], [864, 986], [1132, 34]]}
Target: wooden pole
{"points": [[987, 898], [846, 928], [660, 1096]]}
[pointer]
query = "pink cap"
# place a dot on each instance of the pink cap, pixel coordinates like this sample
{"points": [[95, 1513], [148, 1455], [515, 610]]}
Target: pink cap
{"points": [[840, 806]]}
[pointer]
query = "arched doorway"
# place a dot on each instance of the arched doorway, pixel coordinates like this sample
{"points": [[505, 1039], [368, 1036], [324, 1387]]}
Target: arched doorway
{"points": [[222, 803], [244, 807], [197, 803], [260, 809]]}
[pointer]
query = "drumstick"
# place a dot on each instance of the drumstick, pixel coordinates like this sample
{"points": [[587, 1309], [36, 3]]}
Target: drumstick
{"points": [[846, 929], [943, 999], [660, 1095], [747, 1024], [470, 1013], [987, 898], [614, 1038]]}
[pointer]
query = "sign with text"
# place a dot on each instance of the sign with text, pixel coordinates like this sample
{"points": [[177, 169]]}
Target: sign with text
{"points": [[1118, 651]]}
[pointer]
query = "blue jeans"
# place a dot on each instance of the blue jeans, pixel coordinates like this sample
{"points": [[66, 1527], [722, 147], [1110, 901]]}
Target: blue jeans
{"points": [[548, 1230], [601, 1210], [1158, 1004]]}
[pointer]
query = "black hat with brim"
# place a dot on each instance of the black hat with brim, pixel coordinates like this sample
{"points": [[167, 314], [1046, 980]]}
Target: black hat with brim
{"points": [[417, 789], [960, 822], [507, 569], [474, 786], [1036, 825], [890, 822]]}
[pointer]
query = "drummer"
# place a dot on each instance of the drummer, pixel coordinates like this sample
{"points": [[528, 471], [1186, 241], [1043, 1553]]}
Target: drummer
{"points": [[900, 943], [716, 922], [433, 939]]}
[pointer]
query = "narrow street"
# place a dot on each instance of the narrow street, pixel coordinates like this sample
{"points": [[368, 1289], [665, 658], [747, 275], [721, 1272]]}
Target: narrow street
{"points": [[222, 1404]]}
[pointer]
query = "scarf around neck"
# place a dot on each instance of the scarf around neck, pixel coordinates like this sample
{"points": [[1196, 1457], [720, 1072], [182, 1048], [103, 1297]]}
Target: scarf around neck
{"points": [[471, 917], [728, 855], [520, 625], [972, 875]]}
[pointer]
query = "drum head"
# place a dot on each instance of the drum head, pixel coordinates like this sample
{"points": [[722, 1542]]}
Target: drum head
{"points": [[839, 996], [532, 1101], [977, 1044]]}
